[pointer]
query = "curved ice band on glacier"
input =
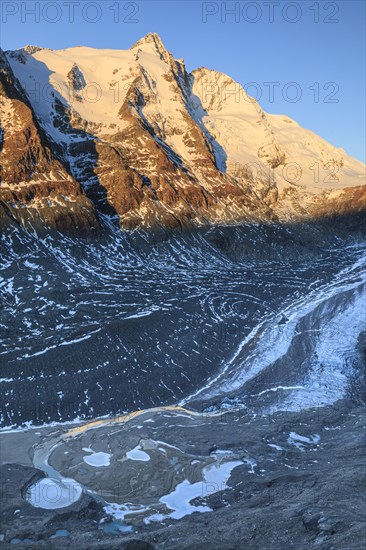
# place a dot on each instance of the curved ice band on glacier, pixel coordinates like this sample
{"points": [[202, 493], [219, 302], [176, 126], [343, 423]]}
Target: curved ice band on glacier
{"points": [[308, 320], [189, 280]]}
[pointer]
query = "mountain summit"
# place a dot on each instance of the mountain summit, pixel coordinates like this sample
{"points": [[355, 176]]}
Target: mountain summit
{"points": [[150, 38], [130, 133]]}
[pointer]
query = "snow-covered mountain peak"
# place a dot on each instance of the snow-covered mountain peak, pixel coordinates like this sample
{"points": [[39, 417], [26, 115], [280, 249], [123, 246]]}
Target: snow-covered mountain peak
{"points": [[90, 83], [22, 54], [171, 147], [219, 92], [153, 45], [32, 49], [150, 38]]}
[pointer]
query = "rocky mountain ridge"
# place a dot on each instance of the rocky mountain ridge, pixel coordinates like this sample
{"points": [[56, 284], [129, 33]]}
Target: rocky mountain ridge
{"points": [[131, 134], [36, 189]]}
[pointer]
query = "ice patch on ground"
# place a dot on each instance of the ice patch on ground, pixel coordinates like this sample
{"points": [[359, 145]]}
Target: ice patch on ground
{"points": [[51, 495], [97, 459], [277, 447], [137, 454], [298, 440], [179, 501]]}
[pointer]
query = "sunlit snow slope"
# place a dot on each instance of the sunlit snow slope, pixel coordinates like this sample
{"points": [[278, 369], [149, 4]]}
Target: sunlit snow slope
{"points": [[157, 146]]}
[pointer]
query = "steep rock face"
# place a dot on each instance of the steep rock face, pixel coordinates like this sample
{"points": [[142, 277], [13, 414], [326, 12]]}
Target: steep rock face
{"points": [[35, 190], [160, 147]]}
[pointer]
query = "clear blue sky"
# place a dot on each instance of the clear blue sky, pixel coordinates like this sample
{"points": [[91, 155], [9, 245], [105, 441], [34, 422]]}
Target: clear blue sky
{"points": [[305, 42]]}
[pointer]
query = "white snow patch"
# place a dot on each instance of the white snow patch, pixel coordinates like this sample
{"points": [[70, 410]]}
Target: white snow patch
{"points": [[97, 460], [137, 454], [51, 495], [298, 440], [179, 501]]}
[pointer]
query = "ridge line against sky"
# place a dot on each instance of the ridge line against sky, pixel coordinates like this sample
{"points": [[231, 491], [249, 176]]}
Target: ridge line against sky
{"points": [[303, 59]]}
